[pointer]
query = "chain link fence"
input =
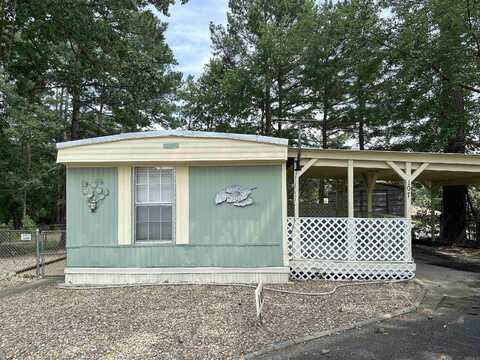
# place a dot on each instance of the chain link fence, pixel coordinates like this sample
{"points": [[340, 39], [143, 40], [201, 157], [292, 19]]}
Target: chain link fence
{"points": [[30, 250], [18, 250], [51, 248]]}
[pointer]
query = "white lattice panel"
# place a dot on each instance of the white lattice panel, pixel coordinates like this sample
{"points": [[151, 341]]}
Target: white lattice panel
{"points": [[346, 270], [381, 239], [343, 248]]}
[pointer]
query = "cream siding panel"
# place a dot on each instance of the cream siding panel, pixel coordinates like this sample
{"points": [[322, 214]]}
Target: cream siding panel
{"points": [[166, 149], [206, 275], [125, 205], [182, 205]]}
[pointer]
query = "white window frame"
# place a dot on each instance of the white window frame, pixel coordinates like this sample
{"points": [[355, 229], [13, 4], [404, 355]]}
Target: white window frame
{"points": [[135, 204]]}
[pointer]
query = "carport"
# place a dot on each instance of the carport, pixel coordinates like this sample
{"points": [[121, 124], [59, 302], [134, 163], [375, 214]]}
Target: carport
{"points": [[368, 247]]}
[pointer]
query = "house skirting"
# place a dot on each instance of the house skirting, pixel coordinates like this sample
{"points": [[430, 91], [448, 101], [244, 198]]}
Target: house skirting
{"points": [[198, 275], [306, 269]]}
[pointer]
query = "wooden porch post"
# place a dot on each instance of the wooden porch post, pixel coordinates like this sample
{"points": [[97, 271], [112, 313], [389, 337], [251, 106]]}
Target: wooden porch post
{"points": [[350, 181], [433, 190], [296, 185], [297, 233], [408, 177], [351, 213], [407, 190], [433, 193], [371, 182], [296, 196]]}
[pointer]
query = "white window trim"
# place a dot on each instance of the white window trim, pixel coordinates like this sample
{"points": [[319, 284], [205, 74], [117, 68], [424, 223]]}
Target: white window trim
{"points": [[134, 206]]}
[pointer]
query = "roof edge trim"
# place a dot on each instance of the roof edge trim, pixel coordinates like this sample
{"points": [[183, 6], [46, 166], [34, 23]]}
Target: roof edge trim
{"points": [[173, 133]]}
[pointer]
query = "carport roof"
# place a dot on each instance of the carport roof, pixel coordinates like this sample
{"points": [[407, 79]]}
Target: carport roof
{"points": [[437, 168]]}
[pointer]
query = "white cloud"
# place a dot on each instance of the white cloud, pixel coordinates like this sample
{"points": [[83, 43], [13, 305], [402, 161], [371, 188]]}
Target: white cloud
{"points": [[196, 68], [188, 33]]}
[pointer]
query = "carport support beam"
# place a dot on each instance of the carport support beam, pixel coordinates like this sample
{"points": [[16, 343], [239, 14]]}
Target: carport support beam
{"points": [[407, 178]]}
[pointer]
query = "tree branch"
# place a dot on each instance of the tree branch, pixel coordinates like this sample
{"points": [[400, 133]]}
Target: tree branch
{"points": [[446, 78], [470, 26]]}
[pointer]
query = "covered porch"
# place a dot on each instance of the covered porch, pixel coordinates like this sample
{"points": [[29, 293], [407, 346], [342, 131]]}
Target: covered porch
{"points": [[356, 244]]}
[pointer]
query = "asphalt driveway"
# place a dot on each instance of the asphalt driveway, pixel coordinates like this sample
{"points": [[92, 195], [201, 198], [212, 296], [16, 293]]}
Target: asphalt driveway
{"points": [[446, 327]]}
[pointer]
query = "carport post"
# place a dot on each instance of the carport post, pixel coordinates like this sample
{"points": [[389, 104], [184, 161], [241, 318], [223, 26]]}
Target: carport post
{"points": [[350, 190], [408, 204], [297, 234], [371, 179], [296, 190], [408, 177], [296, 185], [351, 212], [407, 188]]}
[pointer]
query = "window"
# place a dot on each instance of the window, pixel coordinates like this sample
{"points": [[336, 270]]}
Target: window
{"points": [[154, 204]]}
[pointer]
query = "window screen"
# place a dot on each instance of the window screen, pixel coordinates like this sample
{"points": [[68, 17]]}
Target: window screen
{"points": [[154, 203]]}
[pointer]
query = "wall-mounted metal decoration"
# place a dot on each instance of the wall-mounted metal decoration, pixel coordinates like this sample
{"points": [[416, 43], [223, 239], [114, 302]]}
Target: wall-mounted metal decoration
{"points": [[235, 195], [94, 192]]}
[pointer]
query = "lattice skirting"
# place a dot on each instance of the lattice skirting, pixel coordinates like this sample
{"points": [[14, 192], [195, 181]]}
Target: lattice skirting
{"points": [[351, 270], [344, 239]]}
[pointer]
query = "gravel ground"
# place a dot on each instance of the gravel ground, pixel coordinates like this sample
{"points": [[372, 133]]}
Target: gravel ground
{"points": [[18, 263], [8, 280], [53, 269], [179, 322]]}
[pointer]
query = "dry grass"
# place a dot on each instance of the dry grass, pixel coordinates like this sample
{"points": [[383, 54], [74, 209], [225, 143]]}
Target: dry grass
{"points": [[179, 322]]}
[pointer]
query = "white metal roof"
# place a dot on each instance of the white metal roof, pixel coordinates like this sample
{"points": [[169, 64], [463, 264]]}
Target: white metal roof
{"points": [[173, 133], [440, 168]]}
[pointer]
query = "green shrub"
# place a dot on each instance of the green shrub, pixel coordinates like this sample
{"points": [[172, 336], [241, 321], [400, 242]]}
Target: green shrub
{"points": [[28, 223]]}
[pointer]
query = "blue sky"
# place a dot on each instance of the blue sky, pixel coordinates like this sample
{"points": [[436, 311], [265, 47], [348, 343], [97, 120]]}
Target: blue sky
{"points": [[188, 34]]}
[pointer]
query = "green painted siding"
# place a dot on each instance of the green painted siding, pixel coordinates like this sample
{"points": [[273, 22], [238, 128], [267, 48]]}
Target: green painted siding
{"points": [[175, 256], [258, 223], [223, 236], [86, 228]]}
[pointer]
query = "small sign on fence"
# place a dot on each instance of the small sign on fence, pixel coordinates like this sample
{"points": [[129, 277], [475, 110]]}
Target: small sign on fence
{"points": [[26, 237], [259, 300]]}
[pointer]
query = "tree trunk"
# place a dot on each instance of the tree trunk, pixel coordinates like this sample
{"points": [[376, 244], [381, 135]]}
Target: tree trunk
{"points": [[268, 112], [75, 126], [60, 217], [280, 101], [454, 214], [454, 198], [325, 119], [324, 130], [361, 135], [361, 126], [28, 168]]}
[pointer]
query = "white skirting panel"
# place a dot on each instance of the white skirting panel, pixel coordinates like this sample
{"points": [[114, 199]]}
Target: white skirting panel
{"points": [[199, 275], [351, 270]]}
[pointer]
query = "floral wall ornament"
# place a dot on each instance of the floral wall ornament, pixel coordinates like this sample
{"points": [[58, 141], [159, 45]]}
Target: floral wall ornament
{"points": [[235, 195], [94, 192]]}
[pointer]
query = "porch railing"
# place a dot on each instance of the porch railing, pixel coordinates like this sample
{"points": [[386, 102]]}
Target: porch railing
{"points": [[356, 248]]}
